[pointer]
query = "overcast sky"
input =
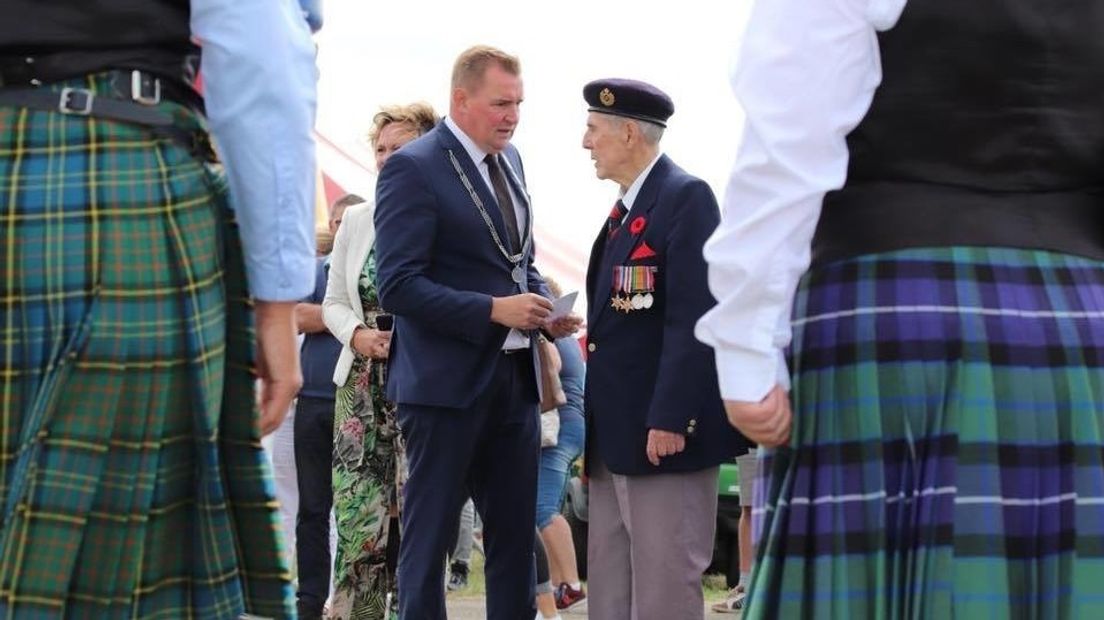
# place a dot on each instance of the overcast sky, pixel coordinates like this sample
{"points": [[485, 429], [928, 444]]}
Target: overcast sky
{"points": [[376, 53]]}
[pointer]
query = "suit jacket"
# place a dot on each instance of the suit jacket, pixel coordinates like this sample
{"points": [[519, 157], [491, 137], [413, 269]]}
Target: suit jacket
{"points": [[438, 270], [342, 310], [645, 368]]}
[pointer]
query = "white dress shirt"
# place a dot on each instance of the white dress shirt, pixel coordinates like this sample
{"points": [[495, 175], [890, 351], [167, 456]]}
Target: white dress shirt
{"points": [[516, 339], [259, 86], [806, 77]]}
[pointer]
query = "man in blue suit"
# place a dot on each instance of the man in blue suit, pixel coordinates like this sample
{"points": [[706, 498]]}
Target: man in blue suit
{"points": [[455, 267], [656, 427]]}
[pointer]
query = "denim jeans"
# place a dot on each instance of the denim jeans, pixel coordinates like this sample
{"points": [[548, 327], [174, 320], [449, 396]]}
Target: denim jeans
{"points": [[555, 463]]}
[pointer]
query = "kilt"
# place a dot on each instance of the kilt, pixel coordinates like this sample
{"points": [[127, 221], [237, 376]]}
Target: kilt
{"points": [[947, 444], [133, 480]]}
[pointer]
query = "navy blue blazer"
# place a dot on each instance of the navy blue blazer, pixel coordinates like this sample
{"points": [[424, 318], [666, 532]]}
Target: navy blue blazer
{"points": [[645, 368], [437, 269]]}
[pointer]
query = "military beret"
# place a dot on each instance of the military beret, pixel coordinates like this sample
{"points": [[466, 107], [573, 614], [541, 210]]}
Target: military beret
{"points": [[631, 98]]}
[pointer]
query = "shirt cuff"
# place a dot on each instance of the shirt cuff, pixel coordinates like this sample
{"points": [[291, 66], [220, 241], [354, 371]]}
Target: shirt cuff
{"points": [[747, 376]]}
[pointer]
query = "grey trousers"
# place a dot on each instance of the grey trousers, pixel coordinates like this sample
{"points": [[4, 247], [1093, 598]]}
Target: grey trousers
{"points": [[650, 540]]}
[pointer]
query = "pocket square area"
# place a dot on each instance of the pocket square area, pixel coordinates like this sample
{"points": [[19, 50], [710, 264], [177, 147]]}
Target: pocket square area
{"points": [[642, 251]]}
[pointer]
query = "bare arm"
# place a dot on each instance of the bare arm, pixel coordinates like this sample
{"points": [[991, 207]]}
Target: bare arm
{"points": [[308, 318]]}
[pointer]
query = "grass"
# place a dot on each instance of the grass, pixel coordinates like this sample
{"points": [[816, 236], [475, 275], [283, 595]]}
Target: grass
{"points": [[713, 586]]}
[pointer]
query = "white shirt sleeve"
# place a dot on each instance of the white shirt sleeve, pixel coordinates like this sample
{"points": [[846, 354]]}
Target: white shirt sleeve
{"points": [[806, 77], [259, 85]]}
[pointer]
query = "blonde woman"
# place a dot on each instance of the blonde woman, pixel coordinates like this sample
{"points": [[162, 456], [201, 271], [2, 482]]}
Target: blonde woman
{"points": [[367, 449]]}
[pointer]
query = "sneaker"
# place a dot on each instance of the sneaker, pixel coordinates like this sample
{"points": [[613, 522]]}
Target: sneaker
{"points": [[568, 598], [732, 604], [458, 576]]}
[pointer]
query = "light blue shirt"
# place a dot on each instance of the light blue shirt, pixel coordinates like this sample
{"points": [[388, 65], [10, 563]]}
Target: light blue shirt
{"points": [[259, 86], [312, 12]]}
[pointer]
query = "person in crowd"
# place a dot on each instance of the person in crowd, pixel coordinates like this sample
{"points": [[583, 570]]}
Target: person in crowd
{"points": [[555, 466], [313, 432], [656, 429], [367, 452], [460, 556], [455, 257], [748, 465], [544, 600], [916, 203], [133, 483]]}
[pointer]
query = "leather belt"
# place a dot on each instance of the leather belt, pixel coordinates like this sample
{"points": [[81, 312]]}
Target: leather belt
{"points": [[84, 102], [136, 105]]}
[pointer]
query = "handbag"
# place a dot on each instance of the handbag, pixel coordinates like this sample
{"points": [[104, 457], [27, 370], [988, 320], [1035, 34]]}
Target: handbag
{"points": [[552, 393], [550, 428]]}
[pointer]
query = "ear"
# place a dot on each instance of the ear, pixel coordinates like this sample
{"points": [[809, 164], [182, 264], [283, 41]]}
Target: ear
{"points": [[459, 98], [630, 132]]}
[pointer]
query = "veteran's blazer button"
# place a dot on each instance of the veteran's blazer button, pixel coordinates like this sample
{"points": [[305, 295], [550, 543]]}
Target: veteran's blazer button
{"points": [[591, 347]]}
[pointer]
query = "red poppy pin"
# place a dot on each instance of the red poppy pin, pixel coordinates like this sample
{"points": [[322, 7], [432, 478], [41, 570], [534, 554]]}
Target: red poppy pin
{"points": [[637, 225], [642, 251]]}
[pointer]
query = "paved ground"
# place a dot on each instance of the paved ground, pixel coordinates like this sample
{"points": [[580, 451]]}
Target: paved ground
{"points": [[471, 608]]}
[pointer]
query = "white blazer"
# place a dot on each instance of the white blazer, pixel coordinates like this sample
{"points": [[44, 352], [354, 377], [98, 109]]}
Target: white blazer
{"points": [[341, 309]]}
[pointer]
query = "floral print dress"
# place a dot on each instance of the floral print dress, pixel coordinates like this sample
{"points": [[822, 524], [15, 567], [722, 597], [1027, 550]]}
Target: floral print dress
{"points": [[368, 464]]}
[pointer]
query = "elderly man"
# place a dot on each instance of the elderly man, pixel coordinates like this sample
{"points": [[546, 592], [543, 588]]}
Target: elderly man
{"points": [[656, 428]]}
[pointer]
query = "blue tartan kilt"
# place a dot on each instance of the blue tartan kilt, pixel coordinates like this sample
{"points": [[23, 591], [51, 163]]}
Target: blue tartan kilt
{"points": [[133, 480], [947, 455]]}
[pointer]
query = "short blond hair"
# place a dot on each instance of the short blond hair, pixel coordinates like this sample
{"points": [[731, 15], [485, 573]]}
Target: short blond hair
{"points": [[472, 64], [419, 116]]}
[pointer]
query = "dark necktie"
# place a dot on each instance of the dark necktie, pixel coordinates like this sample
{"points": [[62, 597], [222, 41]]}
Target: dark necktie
{"points": [[505, 204], [617, 213]]}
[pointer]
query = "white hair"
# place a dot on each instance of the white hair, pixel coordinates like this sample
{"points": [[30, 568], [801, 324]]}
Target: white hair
{"points": [[652, 132]]}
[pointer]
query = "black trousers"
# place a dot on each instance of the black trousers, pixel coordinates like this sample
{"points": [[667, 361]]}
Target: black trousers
{"points": [[314, 463]]}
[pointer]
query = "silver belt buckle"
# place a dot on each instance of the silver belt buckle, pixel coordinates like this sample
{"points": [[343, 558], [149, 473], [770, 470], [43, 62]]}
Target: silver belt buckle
{"points": [[137, 93], [65, 101]]}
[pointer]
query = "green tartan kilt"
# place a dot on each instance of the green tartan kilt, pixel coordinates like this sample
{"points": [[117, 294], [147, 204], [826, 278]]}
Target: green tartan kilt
{"points": [[133, 479]]}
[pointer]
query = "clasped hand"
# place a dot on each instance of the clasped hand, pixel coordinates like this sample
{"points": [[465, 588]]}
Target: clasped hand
{"points": [[372, 343], [766, 422]]}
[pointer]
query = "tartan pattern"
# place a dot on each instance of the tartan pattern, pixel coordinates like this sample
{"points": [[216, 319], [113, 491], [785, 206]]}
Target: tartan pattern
{"points": [[948, 438], [133, 480]]}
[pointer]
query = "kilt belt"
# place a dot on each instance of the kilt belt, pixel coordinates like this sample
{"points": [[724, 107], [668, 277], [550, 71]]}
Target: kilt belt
{"points": [[136, 93]]}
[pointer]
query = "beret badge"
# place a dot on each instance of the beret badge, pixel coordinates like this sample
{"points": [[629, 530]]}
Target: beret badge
{"points": [[606, 97]]}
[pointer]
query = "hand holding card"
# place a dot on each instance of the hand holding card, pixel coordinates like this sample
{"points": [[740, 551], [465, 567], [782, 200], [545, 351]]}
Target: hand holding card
{"points": [[562, 322], [562, 306]]}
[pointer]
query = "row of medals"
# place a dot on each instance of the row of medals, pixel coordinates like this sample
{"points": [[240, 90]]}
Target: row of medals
{"points": [[626, 304]]}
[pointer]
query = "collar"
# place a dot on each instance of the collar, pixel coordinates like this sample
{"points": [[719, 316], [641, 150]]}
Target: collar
{"points": [[630, 194], [477, 154]]}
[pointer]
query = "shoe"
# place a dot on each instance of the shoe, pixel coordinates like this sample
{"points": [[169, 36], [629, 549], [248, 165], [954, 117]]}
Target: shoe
{"points": [[732, 604], [458, 576], [568, 598]]}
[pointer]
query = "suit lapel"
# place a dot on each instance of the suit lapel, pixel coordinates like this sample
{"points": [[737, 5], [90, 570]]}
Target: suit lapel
{"points": [[364, 236], [593, 270], [618, 248], [449, 142]]}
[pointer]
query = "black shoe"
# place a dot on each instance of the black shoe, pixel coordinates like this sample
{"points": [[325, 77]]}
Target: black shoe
{"points": [[458, 576]]}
